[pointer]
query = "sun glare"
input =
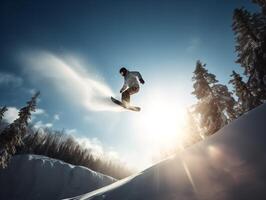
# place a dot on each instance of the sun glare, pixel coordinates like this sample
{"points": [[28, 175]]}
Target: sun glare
{"points": [[161, 123]]}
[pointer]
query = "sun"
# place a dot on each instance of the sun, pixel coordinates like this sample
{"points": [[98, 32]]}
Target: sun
{"points": [[161, 122]]}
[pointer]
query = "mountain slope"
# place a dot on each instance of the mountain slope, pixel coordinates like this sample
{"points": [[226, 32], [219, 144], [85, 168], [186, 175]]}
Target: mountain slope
{"points": [[229, 165], [33, 177]]}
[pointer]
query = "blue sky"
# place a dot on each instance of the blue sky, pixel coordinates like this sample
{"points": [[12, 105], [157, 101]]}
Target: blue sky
{"points": [[161, 39]]}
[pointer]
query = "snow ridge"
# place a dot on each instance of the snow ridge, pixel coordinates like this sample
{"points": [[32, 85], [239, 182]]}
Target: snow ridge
{"points": [[229, 165], [32, 177]]}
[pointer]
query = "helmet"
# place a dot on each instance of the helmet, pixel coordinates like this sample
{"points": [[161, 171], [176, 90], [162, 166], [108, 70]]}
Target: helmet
{"points": [[123, 71]]}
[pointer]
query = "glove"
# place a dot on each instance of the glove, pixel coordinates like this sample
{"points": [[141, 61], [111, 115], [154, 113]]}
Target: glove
{"points": [[141, 81]]}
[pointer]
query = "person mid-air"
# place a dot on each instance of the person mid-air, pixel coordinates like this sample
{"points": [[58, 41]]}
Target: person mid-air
{"points": [[130, 87]]}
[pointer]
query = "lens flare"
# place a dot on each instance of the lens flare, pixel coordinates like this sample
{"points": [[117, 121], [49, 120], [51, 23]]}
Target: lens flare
{"points": [[161, 123]]}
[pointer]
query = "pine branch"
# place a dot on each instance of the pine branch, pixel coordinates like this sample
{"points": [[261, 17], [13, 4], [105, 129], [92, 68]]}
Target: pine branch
{"points": [[2, 112]]}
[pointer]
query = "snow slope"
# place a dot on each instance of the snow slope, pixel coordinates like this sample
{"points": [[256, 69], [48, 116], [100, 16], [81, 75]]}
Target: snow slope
{"points": [[230, 165], [33, 177]]}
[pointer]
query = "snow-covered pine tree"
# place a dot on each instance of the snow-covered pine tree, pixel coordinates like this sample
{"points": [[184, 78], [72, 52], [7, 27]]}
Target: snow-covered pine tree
{"points": [[246, 38], [246, 100], [210, 114], [203, 81], [225, 101], [257, 79], [250, 32], [2, 112], [262, 4], [11, 137]]}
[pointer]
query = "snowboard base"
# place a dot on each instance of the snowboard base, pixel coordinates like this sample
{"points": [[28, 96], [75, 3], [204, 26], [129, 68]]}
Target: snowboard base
{"points": [[133, 108]]}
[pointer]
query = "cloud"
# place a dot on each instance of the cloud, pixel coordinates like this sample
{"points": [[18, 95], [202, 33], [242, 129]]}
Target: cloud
{"points": [[56, 117], [41, 125], [10, 79], [11, 114], [71, 131], [95, 145], [70, 77], [39, 111]]}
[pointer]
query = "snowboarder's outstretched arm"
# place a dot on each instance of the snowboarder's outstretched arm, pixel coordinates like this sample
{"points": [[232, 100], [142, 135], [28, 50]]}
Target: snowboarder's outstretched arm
{"points": [[139, 77]]}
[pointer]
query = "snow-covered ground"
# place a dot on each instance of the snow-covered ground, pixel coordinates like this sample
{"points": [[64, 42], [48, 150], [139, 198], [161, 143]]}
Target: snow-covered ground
{"points": [[32, 177], [230, 165]]}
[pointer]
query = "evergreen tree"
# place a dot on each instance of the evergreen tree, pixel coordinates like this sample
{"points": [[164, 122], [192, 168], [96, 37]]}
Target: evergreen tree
{"points": [[2, 111], [250, 32], [203, 81], [11, 137], [246, 38], [226, 100], [262, 4], [211, 116], [246, 100]]}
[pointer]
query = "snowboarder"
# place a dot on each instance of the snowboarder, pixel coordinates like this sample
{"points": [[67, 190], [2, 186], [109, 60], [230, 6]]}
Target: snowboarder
{"points": [[131, 84], [130, 87]]}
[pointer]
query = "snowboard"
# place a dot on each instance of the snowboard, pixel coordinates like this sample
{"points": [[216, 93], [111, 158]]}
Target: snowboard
{"points": [[133, 108]]}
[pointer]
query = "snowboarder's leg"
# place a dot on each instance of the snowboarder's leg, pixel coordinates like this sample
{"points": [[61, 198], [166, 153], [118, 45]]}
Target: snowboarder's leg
{"points": [[125, 97], [126, 94]]}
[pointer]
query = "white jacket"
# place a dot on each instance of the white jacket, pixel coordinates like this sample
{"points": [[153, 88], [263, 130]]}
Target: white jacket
{"points": [[131, 80]]}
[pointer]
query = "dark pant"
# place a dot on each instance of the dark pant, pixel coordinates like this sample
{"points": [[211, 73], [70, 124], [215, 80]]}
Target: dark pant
{"points": [[126, 94]]}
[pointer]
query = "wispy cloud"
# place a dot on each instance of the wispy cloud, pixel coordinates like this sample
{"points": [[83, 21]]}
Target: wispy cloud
{"points": [[10, 79], [38, 112], [71, 78], [41, 125]]}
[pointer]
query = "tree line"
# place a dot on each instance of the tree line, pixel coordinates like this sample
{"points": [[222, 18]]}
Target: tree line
{"points": [[21, 138]]}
